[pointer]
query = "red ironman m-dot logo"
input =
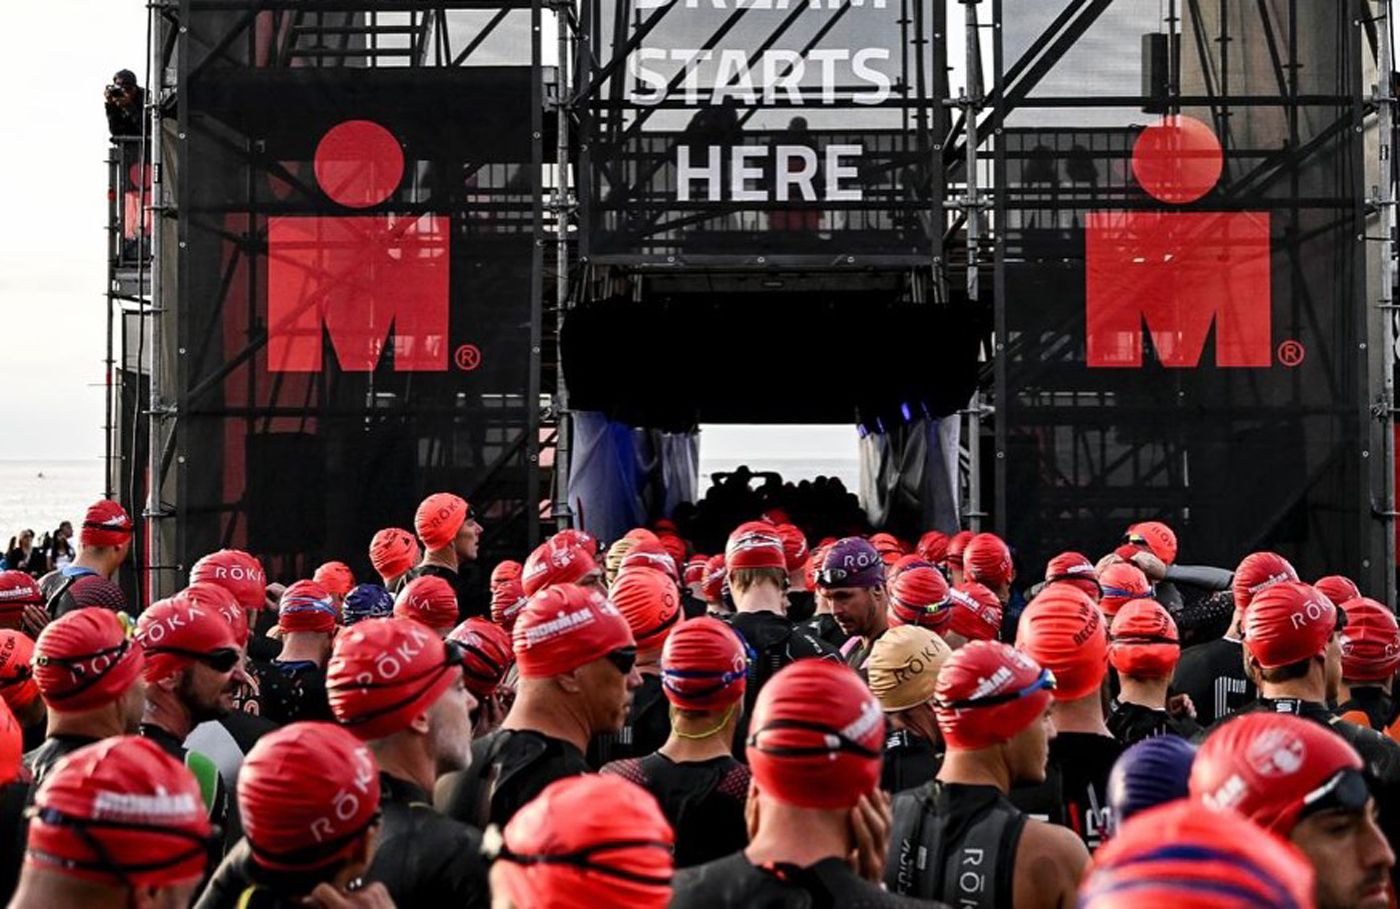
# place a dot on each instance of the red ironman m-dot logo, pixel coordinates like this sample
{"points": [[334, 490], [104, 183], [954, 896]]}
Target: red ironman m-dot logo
{"points": [[1178, 272], [357, 276]]}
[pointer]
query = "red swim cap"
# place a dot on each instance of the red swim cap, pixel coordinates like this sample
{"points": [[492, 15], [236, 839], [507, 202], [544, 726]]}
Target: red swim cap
{"points": [[505, 572], [648, 556], [1177, 855], [1338, 588], [754, 545], [429, 599], [580, 538], [1144, 641], [585, 842], [816, 735], [933, 547], [1258, 572], [1370, 642], [177, 631], [235, 571], [712, 588], [919, 596], [694, 571], [307, 792], [888, 546], [650, 603], [956, 545], [1063, 631], [507, 600], [704, 665], [794, 546], [120, 812], [106, 524], [674, 546], [987, 693], [439, 518], [336, 577], [84, 659], [17, 590], [987, 560], [393, 551], [1122, 582], [1273, 767], [17, 687], [565, 627], [1287, 623], [637, 534], [1158, 538], [976, 612], [385, 672], [11, 746], [556, 561], [1074, 569], [486, 654], [307, 606], [214, 598]]}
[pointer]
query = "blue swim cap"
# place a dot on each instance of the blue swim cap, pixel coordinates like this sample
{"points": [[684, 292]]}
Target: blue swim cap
{"points": [[367, 601], [1151, 773]]}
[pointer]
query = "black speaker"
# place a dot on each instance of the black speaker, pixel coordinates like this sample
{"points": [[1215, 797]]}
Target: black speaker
{"points": [[1156, 72], [286, 492]]}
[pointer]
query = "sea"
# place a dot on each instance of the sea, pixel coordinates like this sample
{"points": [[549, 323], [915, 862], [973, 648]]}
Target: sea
{"points": [[39, 495]]}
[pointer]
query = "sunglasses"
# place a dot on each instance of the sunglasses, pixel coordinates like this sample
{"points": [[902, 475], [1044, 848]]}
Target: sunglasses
{"points": [[1346, 790], [1044, 682], [624, 658], [494, 848], [221, 660]]}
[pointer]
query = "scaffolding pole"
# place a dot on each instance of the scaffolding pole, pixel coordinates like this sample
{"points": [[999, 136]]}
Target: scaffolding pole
{"points": [[155, 512], [1386, 202], [563, 209], [971, 100]]}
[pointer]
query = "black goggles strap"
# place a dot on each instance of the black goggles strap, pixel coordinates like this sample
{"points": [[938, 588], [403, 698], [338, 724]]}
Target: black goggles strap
{"points": [[120, 651], [843, 743], [580, 859]]}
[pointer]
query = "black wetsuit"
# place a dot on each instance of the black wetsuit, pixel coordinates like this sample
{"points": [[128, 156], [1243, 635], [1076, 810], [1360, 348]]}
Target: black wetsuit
{"points": [[955, 843], [509, 768], [239, 883], [703, 800], [14, 834], [773, 642], [737, 882], [1075, 791], [647, 728], [1213, 675], [802, 605], [33, 736], [1131, 723], [425, 859], [55, 748], [1380, 709], [288, 692], [824, 628], [910, 761]]}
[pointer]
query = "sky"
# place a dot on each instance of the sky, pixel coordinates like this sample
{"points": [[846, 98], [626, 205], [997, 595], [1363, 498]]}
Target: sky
{"points": [[53, 243]]}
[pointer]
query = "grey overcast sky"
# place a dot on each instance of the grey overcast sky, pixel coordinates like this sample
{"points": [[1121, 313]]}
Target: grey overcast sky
{"points": [[52, 243]]}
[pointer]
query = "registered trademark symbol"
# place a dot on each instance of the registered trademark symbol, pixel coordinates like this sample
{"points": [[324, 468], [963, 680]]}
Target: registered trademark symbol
{"points": [[468, 357], [1291, 353]]}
